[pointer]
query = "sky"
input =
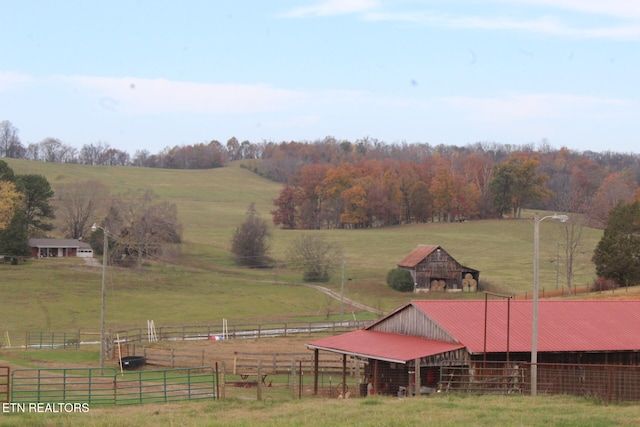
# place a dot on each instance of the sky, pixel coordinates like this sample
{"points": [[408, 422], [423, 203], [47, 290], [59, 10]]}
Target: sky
{"points": [[146, 75]]}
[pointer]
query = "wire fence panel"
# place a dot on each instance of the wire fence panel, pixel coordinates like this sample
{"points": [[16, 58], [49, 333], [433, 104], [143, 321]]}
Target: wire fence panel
{"points": [[110, 387], [609, 383]]}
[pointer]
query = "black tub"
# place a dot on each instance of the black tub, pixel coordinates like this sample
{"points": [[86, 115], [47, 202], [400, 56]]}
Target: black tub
{"points": [[132, 362]]}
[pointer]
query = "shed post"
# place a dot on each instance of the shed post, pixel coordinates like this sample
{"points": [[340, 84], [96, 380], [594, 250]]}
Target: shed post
{"points": [[315, 371], [376, 380], [417, 378], [344, 375]]}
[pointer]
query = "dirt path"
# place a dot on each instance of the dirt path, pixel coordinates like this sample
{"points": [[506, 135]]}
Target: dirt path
{"points": [[339, 297]]}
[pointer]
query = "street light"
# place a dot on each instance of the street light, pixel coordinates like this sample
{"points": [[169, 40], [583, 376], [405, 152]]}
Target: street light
{"points": [[105, 252], [534, 330]]}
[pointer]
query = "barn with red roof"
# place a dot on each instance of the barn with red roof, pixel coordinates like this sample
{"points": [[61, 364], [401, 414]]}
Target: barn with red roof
{"points": [[411, 345], [433, 269]]}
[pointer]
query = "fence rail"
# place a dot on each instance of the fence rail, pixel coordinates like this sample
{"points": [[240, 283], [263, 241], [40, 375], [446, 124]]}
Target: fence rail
{"points": [[73, 339], [110, 387]]}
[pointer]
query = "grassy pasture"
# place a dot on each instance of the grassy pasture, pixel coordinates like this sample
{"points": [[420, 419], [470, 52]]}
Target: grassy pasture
{"points": [[203, 285], [444, 410]]}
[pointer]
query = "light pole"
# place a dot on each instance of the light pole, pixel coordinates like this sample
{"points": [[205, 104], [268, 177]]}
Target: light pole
{"points": [[534, 329], [105, 254]]}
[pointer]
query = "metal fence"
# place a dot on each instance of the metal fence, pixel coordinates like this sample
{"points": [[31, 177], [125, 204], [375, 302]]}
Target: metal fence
{"points": [[107, 386], [607, 383]]}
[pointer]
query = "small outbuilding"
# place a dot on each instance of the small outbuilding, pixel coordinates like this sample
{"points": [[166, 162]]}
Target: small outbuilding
{"points": [[43, 248], [433, 269]]}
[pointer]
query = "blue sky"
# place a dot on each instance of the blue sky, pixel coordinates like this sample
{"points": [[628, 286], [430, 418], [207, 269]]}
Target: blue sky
{"points": [[151, 74]]}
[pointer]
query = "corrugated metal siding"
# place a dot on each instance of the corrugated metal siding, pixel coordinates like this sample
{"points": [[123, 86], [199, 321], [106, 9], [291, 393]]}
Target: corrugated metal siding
{"points": [[383, 346], [412, 321], [417, 255]]}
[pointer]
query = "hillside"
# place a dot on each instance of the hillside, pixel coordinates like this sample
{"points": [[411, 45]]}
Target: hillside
{"points": [[211, 203]]}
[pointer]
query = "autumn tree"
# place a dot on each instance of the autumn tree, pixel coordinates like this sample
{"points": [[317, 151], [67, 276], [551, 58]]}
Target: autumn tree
{"points": [[354, 212], [616, 188], [80, 205], [249, 242], [310, 206], [336, 181], [286, 212], [9, 202], [9, 195], [315, 256], [421, 202], [516, 184], [617, 255]]}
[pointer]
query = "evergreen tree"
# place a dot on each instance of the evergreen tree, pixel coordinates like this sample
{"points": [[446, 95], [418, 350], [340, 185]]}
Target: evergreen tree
{"points": [[249, 242], [617, 255], [13, 239]]}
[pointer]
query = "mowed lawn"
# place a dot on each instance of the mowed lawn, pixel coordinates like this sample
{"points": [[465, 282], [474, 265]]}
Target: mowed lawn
{"points": [[203, 285]]}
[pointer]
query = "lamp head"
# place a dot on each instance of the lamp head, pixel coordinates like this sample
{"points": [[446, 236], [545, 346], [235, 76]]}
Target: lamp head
{"points": [[562, 218], [94, 227]]}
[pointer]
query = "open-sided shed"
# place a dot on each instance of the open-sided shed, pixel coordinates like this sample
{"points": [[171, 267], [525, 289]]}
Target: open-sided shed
{"points": [[433, 269], [409, 347]]}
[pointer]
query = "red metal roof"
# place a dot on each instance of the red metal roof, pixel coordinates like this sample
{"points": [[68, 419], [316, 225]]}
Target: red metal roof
{"points": [[382, 346], [577, 325], [417, 255]]}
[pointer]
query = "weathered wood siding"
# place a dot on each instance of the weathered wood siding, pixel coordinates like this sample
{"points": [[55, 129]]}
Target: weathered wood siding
{"points": [[411, 321], [439, 271]]}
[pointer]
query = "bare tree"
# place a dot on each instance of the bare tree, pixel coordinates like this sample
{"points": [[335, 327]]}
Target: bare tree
{"points": [[572, 239], [315, 256], [142, 226], [79, 205], [10, 145]]}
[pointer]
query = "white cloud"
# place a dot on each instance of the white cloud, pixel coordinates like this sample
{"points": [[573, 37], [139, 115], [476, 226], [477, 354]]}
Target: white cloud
{"points": [[334, 7], [537, 106], [625, 9], [143, 96], [9, 80], [567, 18]]}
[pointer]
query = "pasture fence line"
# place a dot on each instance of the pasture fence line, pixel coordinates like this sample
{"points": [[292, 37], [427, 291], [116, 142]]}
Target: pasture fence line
{"points": [[74, 339], [239, 363]]}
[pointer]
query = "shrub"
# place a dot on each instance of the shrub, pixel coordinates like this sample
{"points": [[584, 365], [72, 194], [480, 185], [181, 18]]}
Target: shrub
{"points": [[603, 284], [400, 280]]}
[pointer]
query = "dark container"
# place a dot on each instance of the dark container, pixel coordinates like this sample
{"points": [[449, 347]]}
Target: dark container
{"points": [[132, 362]]}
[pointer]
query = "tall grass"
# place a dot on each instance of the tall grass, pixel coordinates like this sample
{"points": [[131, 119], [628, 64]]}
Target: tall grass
{"points": [[442, 410]]}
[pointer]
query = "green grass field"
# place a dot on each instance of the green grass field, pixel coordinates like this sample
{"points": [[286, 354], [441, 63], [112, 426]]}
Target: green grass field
{"points": [[203, 285], [445, 410]]}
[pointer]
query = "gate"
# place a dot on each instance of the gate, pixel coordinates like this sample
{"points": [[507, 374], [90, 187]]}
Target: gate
{"points": [[107, 386]]}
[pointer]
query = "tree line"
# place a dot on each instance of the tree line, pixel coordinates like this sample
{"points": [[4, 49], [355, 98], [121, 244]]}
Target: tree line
{"points": [[338, 185]]}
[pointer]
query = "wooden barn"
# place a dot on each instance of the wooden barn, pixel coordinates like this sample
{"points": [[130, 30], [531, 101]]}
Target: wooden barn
{"points": [[433, 269], [419, 345], [41, 248]]}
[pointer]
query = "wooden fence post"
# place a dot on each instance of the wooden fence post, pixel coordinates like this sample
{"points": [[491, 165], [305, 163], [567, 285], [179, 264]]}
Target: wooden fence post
{"points": [[259, 379], [293, 378]]}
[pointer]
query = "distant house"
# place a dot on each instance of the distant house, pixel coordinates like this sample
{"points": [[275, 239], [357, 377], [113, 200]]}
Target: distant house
{"points": [[42, 248], [433, 338], [433, 269]]}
